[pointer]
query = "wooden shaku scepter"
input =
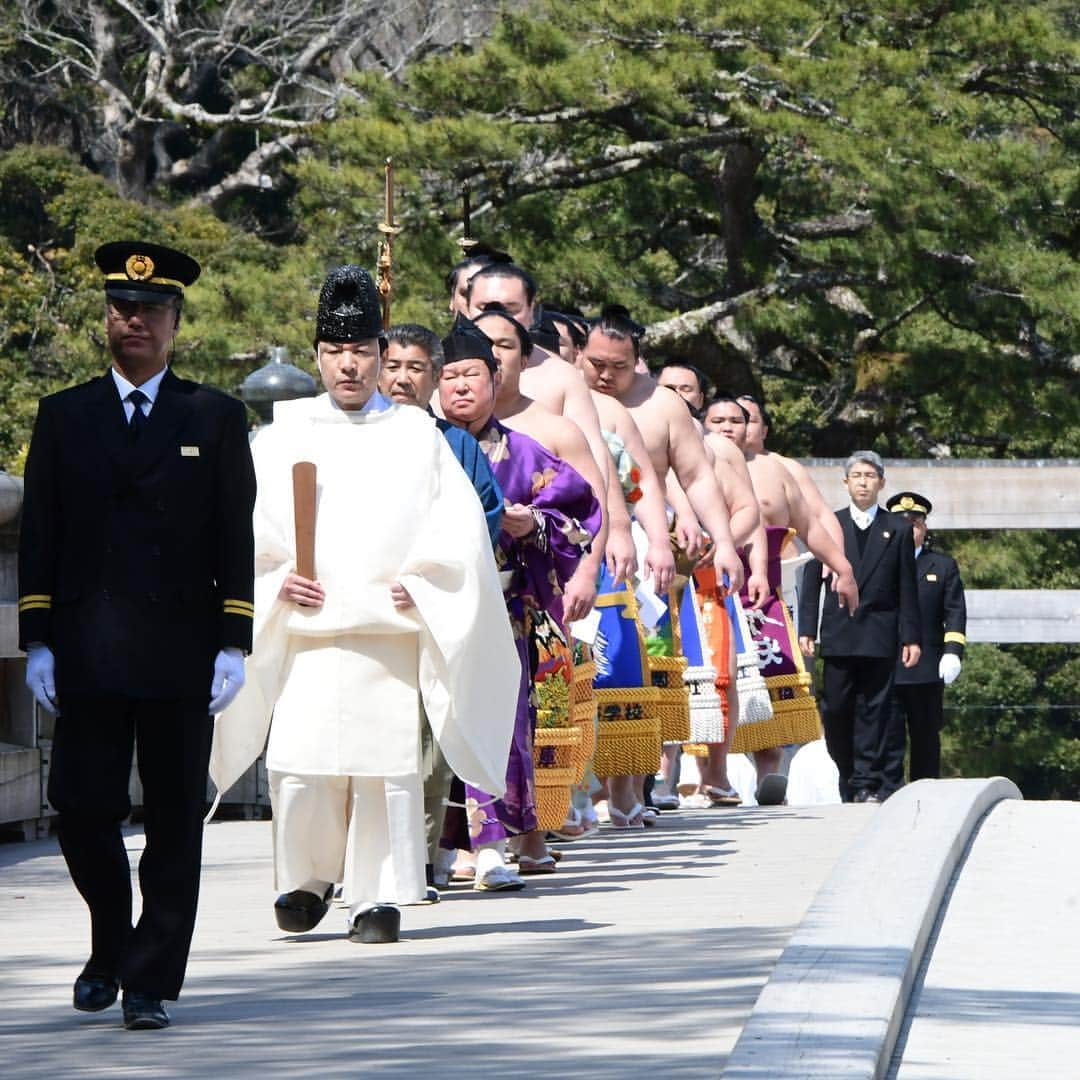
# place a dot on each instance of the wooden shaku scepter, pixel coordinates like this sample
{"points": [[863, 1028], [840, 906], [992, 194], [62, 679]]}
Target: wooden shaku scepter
{"points": [[303, 478]]}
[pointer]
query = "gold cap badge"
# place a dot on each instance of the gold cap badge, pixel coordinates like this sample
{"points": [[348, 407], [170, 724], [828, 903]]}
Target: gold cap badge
{"points": [[139, 267]]}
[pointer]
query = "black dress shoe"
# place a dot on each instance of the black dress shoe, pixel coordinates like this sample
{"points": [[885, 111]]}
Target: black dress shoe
{"points": [[299, 911], [95, 992], [143, 1012], [379, 925], [866, 795]]}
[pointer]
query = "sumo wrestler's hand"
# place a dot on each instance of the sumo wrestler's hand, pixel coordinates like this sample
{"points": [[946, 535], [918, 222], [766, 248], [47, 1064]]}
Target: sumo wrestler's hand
{"points": [[517, 520]]}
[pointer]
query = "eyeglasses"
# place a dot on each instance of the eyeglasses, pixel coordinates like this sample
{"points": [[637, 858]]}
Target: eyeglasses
{"points": [[129, 309]]}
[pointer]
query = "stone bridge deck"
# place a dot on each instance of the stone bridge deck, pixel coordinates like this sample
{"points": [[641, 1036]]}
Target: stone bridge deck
{"points": [[643, 956]]}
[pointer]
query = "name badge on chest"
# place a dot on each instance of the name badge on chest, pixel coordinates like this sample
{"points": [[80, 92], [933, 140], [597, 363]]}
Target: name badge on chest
{"points": [[931, 577], [189, 451]]}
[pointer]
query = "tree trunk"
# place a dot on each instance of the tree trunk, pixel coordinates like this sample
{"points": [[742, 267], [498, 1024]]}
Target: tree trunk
{"points": [[738, 193]]}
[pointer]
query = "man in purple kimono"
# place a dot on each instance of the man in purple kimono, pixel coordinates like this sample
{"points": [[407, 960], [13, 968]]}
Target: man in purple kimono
{"points": [[551, 513]]}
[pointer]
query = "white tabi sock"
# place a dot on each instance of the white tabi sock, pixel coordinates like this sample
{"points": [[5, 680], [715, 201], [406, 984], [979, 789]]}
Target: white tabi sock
{"points": [[490, 856]]}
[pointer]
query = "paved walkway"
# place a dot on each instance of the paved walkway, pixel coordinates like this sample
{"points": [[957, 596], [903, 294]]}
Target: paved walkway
{"points": [[999, 995], [644, 956]]}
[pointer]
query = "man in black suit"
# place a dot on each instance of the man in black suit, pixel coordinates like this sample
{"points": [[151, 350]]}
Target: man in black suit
{"points": [[135, 610], [920, 690], [860, 650]]}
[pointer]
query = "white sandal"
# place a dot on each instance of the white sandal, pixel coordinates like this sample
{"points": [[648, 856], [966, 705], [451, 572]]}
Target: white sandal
{"points": [[498, 879], [697, 801], [619, 820], [573, 821]]}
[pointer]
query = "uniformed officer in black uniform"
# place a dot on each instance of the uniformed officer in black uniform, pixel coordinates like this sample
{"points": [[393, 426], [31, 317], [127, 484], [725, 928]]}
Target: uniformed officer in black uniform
{"points": [[135, 609], [920, 690]]}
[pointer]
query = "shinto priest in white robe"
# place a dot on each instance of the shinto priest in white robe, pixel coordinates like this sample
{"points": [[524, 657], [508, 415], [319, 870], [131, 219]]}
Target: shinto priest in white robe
{"points": [[345, 682]]}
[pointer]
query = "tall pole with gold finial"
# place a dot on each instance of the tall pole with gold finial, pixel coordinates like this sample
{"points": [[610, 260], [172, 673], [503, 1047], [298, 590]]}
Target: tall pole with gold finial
{"points": [[389, 228], [467, 241]]}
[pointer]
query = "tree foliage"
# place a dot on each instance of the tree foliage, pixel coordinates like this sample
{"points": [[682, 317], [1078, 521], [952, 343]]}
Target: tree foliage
{"points": [[197, 100], [53, 214], [1015, 711], [868, 211], [843, 203]]}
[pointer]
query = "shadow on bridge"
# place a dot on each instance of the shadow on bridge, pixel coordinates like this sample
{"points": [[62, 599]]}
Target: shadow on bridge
{"points": [[572, 999], [643, 954]]}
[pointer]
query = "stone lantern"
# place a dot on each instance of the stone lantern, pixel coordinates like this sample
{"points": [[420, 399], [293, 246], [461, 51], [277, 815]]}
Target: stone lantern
{"points": [[276, 380]]}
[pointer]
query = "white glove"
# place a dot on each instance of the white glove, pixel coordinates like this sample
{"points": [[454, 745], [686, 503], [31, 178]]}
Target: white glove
{"points": [[228, 678], [41, 677], [949, 668]]}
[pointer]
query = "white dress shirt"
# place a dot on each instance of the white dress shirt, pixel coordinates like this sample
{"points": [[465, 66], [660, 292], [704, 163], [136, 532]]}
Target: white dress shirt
{"points": [[863, 519], [149, 388]]}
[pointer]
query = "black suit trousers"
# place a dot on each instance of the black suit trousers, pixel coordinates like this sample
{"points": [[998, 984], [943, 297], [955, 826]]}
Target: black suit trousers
{"points": [[94, 741], [856, 738], [919, 708]]}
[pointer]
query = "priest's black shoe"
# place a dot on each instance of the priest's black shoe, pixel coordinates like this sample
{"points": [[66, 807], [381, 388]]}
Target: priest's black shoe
{"points": [[299, 911], [866, 795], [143, 1012], [379, 925], [94, 992]]}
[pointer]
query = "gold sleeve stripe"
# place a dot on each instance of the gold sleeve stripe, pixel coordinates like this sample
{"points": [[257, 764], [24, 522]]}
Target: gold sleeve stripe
{"points": [[239, 611], [35, 607], [955, 637], [34, 600], [246, 605]]}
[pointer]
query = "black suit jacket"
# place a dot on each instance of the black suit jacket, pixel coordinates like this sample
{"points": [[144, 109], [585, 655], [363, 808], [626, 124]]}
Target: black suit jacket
{"points": [[888, 614], [136, 559], [943, 613]]}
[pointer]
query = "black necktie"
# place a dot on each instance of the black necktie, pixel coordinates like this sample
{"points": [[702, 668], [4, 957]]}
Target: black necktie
{"points": [[138, 421]]}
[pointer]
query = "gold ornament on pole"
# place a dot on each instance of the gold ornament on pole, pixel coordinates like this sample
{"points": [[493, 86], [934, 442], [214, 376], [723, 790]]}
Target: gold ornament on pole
{"points": [[467, 241], [389, 228]]}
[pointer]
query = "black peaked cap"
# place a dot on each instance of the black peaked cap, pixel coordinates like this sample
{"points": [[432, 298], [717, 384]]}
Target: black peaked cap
{"points": [[146, 273], [909, 502]]}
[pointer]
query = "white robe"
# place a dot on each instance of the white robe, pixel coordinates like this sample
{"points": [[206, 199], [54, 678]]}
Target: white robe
{"points": [[344, 682]]}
